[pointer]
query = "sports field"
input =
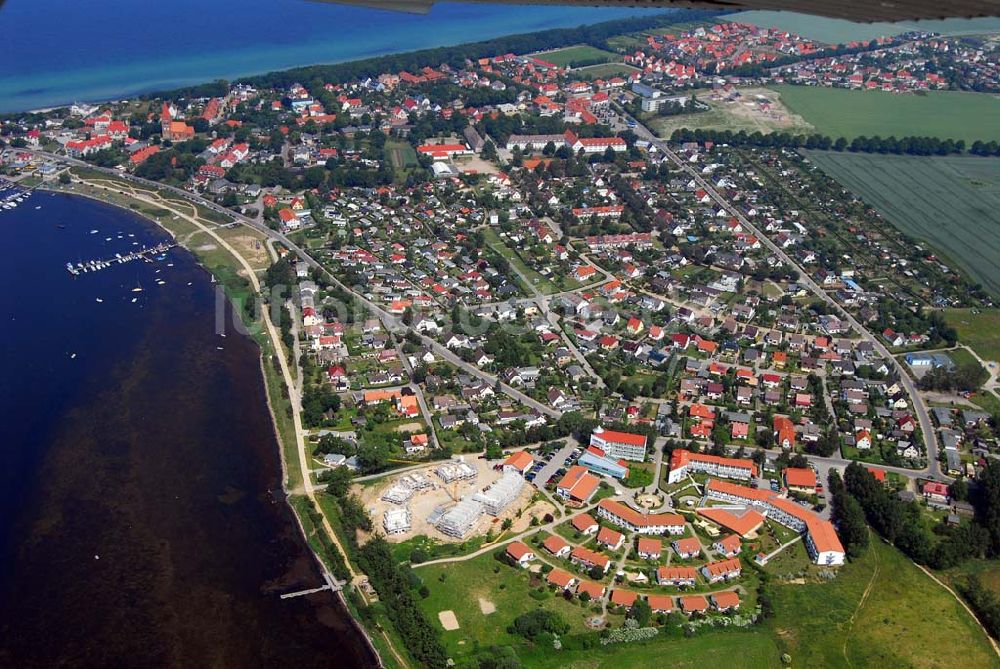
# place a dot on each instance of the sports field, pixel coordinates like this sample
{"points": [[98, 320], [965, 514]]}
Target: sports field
{"points": [[576, 54], [840, 112], [838, 31], [951, 202], [606, 70]]}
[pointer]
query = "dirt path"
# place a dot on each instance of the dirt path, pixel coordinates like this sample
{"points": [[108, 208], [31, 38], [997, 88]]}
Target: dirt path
{"points": [[294, 395], [993, 642], [861, 604]]}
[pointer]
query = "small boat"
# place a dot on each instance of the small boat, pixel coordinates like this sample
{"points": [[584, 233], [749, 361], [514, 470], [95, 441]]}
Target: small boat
{"points": [[99, 300], [38, 207], [134, 299], [218, 348], [137, 289], [72, 356], [93, 232]]}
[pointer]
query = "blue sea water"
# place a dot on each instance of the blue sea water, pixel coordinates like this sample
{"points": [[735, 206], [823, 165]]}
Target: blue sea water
{"points": [[57, 51], [142, 521]]}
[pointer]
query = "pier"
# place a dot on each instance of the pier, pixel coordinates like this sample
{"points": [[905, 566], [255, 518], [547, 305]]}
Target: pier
{"points": [[118, 259], [12, 194], [300, 593]]}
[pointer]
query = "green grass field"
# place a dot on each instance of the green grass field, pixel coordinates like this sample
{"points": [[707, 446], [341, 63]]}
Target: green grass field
{"points": [[840, 112], [880, 611], [951, 202], [402, 156], [606, 70], [837, 31], [573, 54], [979, 330], [540, 282], [716, 648]]}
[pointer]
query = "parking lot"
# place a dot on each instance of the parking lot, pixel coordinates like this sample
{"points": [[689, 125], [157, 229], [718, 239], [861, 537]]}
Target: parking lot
{"points": [[560, 460]]}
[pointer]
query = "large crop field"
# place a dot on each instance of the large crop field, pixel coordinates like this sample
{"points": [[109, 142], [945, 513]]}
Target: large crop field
{"points": [[838, 31], [840, 112], [952, 203]]}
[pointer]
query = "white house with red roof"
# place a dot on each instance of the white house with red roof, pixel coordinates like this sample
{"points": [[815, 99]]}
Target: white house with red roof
{"points": [[624, 445]]}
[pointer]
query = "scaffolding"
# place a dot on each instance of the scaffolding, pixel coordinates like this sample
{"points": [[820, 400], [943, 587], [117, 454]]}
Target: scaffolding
{"points": [[398, 494], [415, 481], [498, 496], [397, 521], [456, 470], [460, 519]]}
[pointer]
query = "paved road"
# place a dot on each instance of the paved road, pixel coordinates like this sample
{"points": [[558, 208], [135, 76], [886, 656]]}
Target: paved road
{"points": [[919, 408], [391, 322]]}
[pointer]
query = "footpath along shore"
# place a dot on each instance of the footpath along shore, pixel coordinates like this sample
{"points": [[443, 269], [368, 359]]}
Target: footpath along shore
{"points": [[189, 225]]}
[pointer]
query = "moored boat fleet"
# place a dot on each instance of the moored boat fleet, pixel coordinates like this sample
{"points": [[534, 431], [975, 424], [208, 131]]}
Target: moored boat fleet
{"points": [[11, 195], [97, 265]]}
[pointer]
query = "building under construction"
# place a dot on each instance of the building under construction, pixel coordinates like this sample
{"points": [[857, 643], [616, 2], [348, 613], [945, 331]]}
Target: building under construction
{"points": [[456, 470], [398, 494], [499, 495], [397, 521], [461, 518]]}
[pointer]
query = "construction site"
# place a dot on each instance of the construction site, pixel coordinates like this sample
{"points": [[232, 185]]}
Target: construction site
{"points": [[450, 500]]}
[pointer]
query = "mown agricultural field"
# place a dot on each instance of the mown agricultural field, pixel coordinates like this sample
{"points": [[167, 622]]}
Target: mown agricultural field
{"points": [[840, 112], [583, 53], [951, 202], [837, 31]]}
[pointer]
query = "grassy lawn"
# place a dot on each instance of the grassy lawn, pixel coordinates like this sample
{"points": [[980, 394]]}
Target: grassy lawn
{"points": [[837, 31], [576, 54], [434, 548], [402, 156], [606, 70], [507, 588], [988, 401], [988, 572], [540, 282], [980, 330], [714, 648], [841, 112], [902, 622], [949, 202]]}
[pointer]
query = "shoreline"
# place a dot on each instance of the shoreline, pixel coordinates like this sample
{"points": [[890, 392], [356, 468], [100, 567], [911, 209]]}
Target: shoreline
{"points": [[248, 71], [338, 594]]}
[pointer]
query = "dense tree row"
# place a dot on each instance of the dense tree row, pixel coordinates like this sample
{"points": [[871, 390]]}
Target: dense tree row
{"points": [[915, 146], [902, 524], [392, 582]]}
